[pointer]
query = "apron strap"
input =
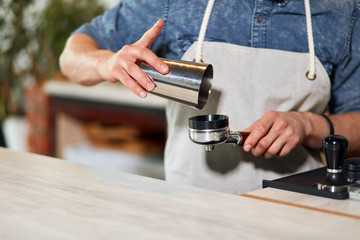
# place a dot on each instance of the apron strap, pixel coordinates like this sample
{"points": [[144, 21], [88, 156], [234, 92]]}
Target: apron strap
{"points": [[203, 28], [311, 74]]}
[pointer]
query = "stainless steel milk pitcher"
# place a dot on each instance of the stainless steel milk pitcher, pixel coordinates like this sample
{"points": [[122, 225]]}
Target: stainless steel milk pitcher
{"points": [[187, 82]]}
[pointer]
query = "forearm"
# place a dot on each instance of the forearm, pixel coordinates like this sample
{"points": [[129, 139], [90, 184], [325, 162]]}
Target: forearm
{"points": [[83, 62], [80, 58], [347, 124]]}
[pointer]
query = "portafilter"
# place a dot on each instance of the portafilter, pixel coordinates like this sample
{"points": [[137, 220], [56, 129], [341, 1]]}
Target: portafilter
{"points": [[210, 130]]}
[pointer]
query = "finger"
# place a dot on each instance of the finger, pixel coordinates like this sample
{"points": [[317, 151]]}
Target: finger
{"points": [[136, 73], [285, 150], [268, 145], [150, 35], [259, 131], [154, 61], [284, 144], [146, 41], [130, 83], [143, 54], [247, 147], [290, 145], [264, 144], [275, 148]]}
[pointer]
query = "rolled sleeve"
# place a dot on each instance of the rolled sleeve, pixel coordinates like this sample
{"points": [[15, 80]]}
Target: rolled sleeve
{"points": [[123, 24], [103, 28]]}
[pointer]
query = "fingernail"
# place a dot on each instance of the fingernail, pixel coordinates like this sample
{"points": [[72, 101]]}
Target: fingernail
{"points": [[150, 86], [142, 94], [247, 148], [164, 68]]}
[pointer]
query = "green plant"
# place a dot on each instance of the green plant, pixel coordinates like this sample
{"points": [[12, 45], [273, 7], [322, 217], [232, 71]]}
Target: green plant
{"points": [[31, 42]]}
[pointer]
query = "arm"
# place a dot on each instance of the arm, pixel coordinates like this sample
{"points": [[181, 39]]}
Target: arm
{"points": [[83, 62], [277, 133]]}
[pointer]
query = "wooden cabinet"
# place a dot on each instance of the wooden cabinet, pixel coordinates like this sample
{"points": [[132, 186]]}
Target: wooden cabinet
{"points": [[109, 113]]}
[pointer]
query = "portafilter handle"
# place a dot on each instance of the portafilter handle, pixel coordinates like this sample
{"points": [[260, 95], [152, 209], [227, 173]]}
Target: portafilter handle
{"points": [[237, 137]]}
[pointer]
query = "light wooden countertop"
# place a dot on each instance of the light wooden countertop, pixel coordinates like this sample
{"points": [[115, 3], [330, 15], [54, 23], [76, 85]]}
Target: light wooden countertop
{"points": [[47, 198]]}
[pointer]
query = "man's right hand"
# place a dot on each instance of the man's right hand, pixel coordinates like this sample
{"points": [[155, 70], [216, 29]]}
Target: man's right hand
{"points": [[83, 62]]}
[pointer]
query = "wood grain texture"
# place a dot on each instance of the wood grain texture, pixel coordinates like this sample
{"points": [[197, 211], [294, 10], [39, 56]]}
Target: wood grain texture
{"points": [[45, 198]]}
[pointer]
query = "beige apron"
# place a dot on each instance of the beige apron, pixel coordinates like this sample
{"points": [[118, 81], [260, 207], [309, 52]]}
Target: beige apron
{"points": [[247, 83]]}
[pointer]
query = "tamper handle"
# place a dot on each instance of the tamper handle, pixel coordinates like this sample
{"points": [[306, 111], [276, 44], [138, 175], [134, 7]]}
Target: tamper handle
{"points": [[335, 148]]}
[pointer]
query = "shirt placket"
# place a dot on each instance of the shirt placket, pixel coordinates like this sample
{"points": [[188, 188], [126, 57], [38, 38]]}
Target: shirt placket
{"points": [[261, 16]]}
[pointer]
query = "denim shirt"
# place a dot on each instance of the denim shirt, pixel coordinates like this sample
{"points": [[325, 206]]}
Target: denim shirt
{"points": [[274, 24]]}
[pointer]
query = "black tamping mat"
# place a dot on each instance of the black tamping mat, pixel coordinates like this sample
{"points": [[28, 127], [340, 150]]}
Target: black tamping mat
{"points": [[306, 183]]}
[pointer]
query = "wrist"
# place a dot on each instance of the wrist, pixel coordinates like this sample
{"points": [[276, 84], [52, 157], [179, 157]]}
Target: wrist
{"points": [[331, 125], [100, 60], [316, 128]]}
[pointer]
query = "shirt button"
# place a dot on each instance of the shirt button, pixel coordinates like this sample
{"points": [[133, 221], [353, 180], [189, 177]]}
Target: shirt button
{"points": [[259, 18]]}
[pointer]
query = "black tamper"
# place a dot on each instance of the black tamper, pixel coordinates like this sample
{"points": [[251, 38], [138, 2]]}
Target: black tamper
{"points": [[334, 148]]}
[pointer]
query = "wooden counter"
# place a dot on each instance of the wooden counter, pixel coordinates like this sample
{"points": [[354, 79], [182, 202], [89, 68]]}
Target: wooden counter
{"points": [[47, 198]]}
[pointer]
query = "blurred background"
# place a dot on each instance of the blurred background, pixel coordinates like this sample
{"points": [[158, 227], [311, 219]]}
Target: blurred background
{"points": [[43, 112]]}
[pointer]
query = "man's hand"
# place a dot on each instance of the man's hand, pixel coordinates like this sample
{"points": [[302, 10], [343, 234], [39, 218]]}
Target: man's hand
{"points": [[276, 134], [124, 65], [84, 62]]}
